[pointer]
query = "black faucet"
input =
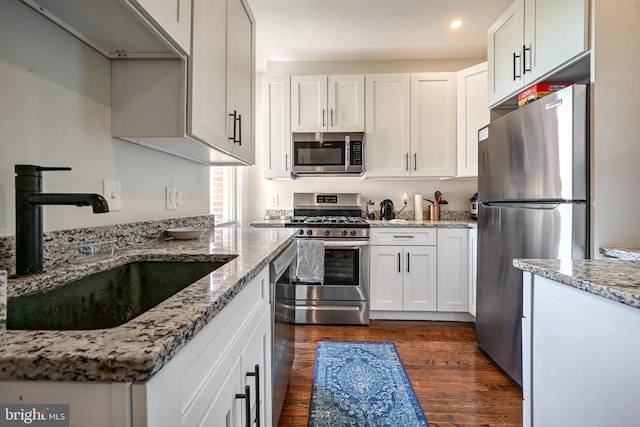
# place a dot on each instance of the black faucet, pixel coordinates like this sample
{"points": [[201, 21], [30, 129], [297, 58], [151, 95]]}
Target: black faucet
{"points": [[29, 201]]}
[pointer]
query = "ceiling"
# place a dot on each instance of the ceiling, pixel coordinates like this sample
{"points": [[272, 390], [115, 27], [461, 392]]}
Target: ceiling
{"points": [[335, 30]]}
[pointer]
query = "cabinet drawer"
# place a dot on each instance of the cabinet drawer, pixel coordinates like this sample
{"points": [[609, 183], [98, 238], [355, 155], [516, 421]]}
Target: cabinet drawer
{"points": [[403, 236]]}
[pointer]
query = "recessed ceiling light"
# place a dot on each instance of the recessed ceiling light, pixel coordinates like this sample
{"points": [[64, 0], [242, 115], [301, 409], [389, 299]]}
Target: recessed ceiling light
{"points": [[456, 24]]}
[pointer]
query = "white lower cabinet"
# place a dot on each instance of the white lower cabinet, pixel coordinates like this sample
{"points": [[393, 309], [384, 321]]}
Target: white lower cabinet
{"points": [[419, 273], [453, 269], [213, 379], [403, 278], [579, 357], [473, 270]]}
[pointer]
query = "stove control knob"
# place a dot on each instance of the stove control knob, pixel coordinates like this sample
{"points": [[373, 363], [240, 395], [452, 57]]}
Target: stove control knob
{"points": [[344, 232], [301, 232], [327, 233], [309, 232], [354, 232]]}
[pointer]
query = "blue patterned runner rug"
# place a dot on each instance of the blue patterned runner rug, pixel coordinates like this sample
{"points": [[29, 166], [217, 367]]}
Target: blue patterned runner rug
{"points": [[362, 384]]}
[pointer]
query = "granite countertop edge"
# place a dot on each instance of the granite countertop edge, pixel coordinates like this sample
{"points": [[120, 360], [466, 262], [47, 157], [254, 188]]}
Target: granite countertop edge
{"points": [[627, 253], [136, 350], [616, 280]]}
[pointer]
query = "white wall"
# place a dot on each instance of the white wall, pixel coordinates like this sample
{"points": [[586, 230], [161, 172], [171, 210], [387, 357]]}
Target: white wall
{"points": [[55, 111], [456, 192], [615, 124]]}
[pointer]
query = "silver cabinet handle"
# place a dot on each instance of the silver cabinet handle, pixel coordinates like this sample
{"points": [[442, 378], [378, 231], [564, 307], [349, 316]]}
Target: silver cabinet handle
{"points": [[331, 117], [399, 271], [247, 408], [286, 162], [256, 374], [403, 237], [415, 161], [323, 122], [408, 267], [406, 161], [239, 141]]}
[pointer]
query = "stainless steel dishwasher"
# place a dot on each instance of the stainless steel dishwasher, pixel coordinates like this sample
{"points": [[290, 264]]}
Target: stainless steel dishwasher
{"points": [[282, 330]]}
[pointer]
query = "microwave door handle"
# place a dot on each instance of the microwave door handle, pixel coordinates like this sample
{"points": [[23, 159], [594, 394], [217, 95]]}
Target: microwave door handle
{"points": [[347, 153]]}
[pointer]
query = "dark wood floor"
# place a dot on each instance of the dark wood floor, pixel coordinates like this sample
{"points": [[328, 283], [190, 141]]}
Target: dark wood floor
{"points": [[456, 383]]}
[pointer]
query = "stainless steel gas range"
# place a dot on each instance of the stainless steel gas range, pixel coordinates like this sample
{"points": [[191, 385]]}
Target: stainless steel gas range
{"points": [[342, 297]]}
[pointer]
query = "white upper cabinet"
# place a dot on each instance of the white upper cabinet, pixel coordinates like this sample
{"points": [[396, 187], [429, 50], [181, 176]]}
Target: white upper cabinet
{"points": [[276, 124], [327, 103], [433, 125], [473, 114], [124, 28], [504, 53], [555, 31], [221, 84], [172, 16], [532, 39], [411, 125], [388, 131], [204, 111]]}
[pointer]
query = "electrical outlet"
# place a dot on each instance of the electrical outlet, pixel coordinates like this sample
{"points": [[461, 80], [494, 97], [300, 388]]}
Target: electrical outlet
{"points": [[171, 198], [112, 192], [274, 200]]}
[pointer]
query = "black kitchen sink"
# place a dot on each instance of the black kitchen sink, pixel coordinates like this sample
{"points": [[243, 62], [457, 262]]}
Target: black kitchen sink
{"points": [[106, 299]]}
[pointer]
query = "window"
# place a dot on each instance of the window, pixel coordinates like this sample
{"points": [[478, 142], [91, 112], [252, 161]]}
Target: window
{"points": [[223, 194]]}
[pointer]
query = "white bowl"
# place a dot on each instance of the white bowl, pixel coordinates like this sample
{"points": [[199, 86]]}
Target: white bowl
{"points": [[186, 233]]}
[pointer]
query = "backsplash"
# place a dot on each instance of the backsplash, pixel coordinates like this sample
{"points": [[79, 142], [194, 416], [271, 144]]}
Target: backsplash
{"points": [[406, 214], [58, 244]]}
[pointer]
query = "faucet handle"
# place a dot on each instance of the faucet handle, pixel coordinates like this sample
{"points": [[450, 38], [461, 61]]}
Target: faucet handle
{"points": [[34, 170]]}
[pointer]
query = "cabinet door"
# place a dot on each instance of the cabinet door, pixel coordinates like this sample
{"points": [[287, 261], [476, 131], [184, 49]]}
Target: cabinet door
{"points": [[173, 16], [226, 409], [453, 269], [473, 269], [276, 135], [241, 77], [473, 114], [257, 352], [208, 119], [387, 125], [433, 124], [420, 278], [555, 32], [504, 53], [309, 103], [346, 103], [386, 275]]}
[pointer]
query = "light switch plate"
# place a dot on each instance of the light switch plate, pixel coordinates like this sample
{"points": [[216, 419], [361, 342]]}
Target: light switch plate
{"points": [[171, 198], [112, 192]]}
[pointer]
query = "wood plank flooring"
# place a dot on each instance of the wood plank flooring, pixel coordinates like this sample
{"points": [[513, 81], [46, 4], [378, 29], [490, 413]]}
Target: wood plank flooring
{"points": [[456, 383]]}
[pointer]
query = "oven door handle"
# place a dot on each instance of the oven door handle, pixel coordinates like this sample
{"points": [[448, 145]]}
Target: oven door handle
{"points": [[346, 244]]}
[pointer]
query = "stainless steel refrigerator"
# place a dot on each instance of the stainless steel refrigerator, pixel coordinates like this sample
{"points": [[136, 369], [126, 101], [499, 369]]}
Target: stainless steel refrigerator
{"points": [[533, 187]]}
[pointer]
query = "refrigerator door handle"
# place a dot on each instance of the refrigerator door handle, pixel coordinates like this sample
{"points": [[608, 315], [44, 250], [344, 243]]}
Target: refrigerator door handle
{"points": [[520, 205]]}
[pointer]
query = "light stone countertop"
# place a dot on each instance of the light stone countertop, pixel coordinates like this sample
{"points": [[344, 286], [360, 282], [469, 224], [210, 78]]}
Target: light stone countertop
{"points": [[139, 348], [617, 280], [279, 223], [443, 223], [622, 253]]}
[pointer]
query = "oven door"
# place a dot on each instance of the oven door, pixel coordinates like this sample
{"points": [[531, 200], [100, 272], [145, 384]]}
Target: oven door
{"points": [[343, 298]]}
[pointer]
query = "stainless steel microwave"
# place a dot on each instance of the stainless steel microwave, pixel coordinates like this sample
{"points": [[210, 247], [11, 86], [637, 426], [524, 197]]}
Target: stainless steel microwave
{"points": [[332, 153]]}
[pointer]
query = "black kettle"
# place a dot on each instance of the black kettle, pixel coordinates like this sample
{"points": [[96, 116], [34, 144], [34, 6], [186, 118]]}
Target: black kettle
{"points": [[387, 211]]}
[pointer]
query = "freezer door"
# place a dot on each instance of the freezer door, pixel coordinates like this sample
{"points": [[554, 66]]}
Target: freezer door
{"points": [[537, 152], [505, 232]]}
